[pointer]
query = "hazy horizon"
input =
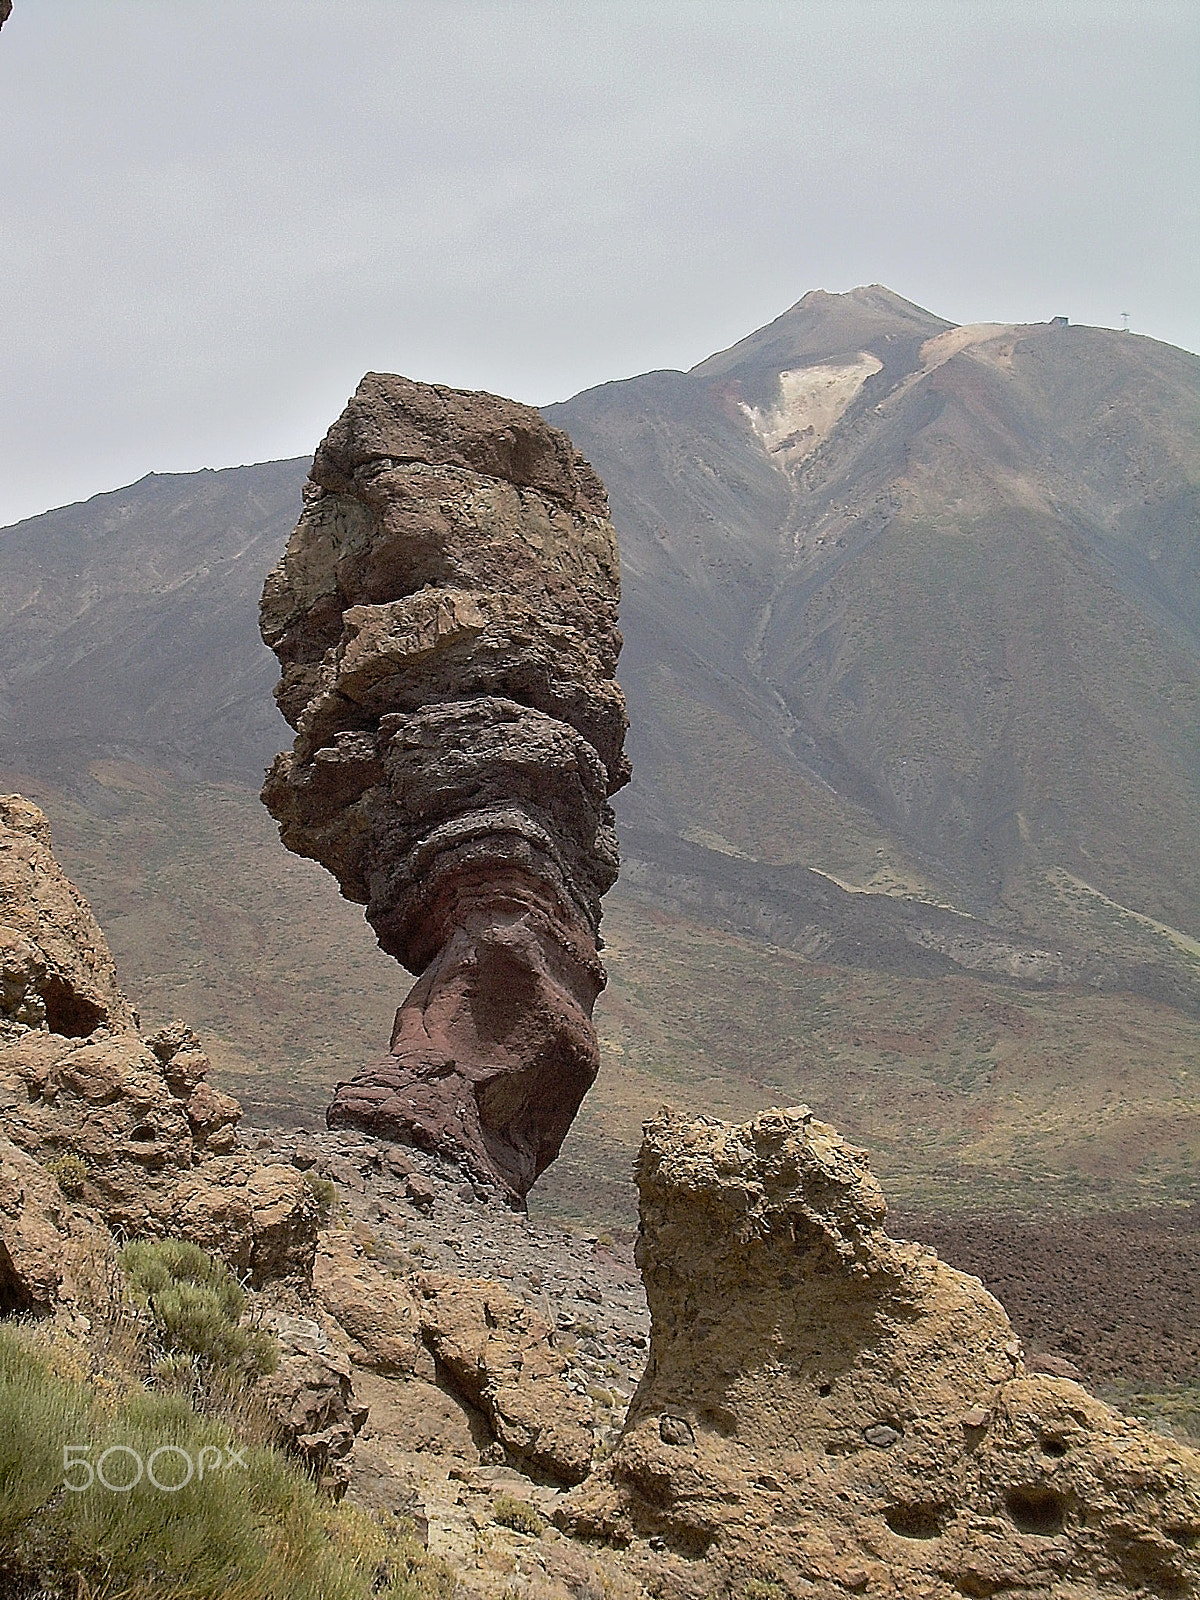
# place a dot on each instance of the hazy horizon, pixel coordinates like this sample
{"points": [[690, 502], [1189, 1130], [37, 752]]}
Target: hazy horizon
{"points": [[213, 221]]}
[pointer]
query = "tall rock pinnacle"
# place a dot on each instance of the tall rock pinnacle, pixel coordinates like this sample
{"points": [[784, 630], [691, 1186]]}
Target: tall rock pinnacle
{"points": [[445, 616]]}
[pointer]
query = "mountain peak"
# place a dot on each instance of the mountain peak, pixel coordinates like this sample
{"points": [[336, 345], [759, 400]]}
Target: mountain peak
{"points": [[826, 327]]}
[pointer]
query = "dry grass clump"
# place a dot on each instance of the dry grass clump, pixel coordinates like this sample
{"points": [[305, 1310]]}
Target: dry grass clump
{"points": [[324, 1192], [519, 1515], [71, 1172]]}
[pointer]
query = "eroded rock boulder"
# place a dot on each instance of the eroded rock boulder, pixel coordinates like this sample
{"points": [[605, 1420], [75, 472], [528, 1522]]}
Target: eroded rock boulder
{"points": [[155, 1142], [310, 1398], [42, 1232], [137, 1113], [826, 1409], [55, 967], [376, 1310], [445, 617], [500, 1357], [261, 1218]]}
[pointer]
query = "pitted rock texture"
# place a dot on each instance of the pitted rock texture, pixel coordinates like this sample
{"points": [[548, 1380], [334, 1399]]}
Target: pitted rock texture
{"points": [[157, 1142], [827, 1409], [76, 1076], [445, 617]]}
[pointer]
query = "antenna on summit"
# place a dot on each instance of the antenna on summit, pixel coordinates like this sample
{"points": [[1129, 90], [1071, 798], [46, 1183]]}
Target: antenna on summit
{"points": [[1124, 322]]}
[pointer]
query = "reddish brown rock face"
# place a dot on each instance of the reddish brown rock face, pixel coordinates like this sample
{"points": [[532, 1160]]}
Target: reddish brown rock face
{"points": [[445, 619]]}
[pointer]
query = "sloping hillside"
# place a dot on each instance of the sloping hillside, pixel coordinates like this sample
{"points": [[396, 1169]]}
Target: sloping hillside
{"points": [[939, 589], [128, 625]]}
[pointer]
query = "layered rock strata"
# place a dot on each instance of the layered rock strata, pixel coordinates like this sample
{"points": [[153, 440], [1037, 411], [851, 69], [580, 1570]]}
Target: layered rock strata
{"points": [[445, 617], [826, 1409]]}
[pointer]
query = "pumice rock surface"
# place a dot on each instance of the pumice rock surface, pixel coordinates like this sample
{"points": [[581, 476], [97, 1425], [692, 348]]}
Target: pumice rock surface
{"points": [[156, 1142], [445, 618], [826, 1409]]}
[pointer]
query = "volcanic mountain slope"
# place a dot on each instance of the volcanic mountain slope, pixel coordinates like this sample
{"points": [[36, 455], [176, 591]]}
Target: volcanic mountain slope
{"points": [[129, 625], [950, 574], [913, 604]]}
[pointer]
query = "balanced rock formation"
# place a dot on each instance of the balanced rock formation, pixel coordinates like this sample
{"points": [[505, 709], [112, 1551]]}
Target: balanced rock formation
{"points": [[154, 1142], [445, 617], [826, 1409]]}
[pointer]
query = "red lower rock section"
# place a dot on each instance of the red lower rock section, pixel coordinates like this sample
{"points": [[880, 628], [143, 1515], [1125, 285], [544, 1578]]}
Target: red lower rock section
{"points": [[494, 1048], [445, 621]]}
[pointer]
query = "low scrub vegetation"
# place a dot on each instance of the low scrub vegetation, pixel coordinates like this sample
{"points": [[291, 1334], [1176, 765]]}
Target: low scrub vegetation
{"points": [[71, 1173], [325, 1194], [519, 1515], [136, 1495], [196, 1306]]}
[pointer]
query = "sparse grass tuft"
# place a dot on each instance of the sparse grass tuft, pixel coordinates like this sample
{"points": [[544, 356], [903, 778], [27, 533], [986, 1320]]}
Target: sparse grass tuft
{"points": [[763, 1589], [389, 1553], [71, 1171], [519, 1515], [324, 1192]]}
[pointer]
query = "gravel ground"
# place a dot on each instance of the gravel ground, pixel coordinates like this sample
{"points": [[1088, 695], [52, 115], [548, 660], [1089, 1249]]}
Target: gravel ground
{"points": [[421, 1213]]}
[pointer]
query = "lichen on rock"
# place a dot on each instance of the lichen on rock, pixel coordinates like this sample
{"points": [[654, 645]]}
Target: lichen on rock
{"points": [[445, 617], [828, 1409]]}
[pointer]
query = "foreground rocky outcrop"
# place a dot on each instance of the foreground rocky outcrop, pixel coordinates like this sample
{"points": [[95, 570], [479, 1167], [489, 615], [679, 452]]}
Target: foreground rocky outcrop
{"points": [[470, 1338], [827, 1409], [43, 1236], [152, 1146], [500, 1356], [55, 967], [445, 617]]}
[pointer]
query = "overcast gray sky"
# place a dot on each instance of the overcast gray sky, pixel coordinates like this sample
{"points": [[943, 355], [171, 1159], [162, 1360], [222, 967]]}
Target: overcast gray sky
{"points": [[215, 215]]}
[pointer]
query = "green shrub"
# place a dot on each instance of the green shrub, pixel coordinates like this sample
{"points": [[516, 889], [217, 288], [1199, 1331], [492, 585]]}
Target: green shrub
{"points": [[519, 1515], [251, 1528], [325, 1194], [397, 1562], [196, 1304], [71, 1171]]}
